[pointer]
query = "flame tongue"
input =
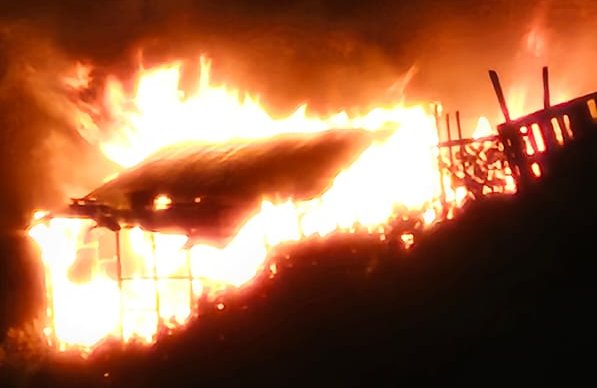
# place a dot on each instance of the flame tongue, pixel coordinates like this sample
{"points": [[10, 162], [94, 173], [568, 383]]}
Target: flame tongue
{"points": [[128, 284]]}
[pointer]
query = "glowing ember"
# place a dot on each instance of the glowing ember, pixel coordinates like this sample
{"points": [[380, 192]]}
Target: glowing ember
{"points": [[133, 283], [162, 202], [408, 239]]}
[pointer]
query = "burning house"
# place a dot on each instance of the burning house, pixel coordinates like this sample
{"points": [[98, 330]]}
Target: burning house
{"points": [[130, 259], [184, 207], [211, 241]]}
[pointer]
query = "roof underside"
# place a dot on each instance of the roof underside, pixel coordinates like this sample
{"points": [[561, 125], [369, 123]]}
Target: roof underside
{"points": [[232, 178]]}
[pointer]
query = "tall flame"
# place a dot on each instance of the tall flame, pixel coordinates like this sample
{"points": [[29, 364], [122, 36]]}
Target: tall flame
{"points": [[133, 282]]}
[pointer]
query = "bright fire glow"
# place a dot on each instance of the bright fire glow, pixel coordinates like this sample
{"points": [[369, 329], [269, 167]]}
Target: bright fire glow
{"points": [[152, 282], [484, 129]]}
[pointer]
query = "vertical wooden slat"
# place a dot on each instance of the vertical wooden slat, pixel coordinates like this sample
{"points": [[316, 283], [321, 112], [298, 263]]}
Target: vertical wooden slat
{"points": [[448, 130], [156, 281], [119, 274], [439, 158]]}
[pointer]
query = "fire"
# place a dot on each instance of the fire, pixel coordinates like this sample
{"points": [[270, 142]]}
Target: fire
{"points": [[133, 284], [162, 202], [160, 114], [484, 128]]}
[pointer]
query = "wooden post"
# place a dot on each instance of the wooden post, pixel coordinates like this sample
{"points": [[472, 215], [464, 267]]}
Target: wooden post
{"points": [[459, 130], [119, 274], [156, 282], [545, 125], [449, 139], [190, 275], [50, 313], [510, 136], [546, 94], [458, 125], [497, 87], [439, 158]]}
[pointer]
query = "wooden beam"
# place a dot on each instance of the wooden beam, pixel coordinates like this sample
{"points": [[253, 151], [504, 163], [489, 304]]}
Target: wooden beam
{"points": [[497, 87], [546, 94]]}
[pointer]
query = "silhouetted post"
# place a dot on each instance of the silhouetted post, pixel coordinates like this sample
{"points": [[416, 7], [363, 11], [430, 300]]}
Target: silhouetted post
{"points": [[439, 158], [449, 139], [156, 283], [546, 126], [119, 274], [461, 148], [510, 136], [497, 87], [546, 95], [458, 126], [190, 276]]}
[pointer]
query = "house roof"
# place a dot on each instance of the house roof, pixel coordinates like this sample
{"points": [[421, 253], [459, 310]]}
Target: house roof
{"points": [[230, 179], [295, 165]]}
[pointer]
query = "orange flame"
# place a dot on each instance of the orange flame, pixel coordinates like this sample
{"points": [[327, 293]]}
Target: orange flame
{"points": [[131, 283]]}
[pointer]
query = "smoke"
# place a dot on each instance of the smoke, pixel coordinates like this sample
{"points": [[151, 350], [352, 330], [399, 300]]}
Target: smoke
{"points": [[514, 38], [331, 54], [43, 158]]}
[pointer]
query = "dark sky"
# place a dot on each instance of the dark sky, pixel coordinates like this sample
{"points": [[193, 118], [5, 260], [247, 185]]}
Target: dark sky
{"points": [[330, 53]]}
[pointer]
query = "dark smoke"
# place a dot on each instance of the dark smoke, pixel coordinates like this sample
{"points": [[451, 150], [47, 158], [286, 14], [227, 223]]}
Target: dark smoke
{"points": [[333, 54]]}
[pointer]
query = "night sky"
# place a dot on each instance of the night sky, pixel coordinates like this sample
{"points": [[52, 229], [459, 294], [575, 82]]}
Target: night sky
{"points": [[332, 54]]}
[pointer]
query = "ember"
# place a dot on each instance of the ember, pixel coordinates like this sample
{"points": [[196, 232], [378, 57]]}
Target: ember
{"points": [[204, 198]]}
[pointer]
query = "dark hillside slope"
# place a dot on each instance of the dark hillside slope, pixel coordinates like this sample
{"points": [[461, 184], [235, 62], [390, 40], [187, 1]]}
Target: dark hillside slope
{"points": [[502, 294]]}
